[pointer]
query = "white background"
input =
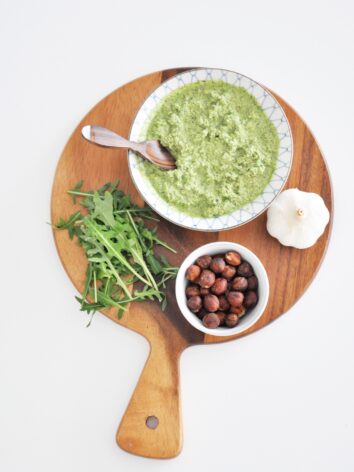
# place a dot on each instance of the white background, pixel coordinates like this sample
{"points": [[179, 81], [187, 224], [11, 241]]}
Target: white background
{"points": [[279, 400]]}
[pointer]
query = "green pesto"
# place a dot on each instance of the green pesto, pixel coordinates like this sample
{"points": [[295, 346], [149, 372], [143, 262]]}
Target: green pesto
{"points": [[225, 146]]}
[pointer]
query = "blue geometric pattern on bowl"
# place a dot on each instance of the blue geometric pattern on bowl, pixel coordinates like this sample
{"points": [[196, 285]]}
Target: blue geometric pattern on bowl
{"points": [[239, 217]]}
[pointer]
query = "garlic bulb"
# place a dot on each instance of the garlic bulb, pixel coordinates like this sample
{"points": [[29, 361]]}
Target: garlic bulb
{"points": [[297, 218]]}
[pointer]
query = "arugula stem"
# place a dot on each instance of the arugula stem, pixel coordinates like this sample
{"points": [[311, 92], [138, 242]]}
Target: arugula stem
{"points": [[148, 274], [133, 210], [94, 285], [79, 193], [162, 243], [87, 283], [135, 229]]}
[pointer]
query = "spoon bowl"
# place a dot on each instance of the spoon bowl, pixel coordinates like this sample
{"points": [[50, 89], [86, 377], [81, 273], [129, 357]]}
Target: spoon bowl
{"points": [[152, 150]]}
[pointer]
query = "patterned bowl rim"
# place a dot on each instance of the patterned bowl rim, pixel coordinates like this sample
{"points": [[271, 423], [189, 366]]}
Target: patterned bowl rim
{"points": [[132, 154]]}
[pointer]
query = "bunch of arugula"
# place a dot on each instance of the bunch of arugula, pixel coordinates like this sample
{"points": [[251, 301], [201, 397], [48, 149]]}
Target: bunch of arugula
{"points": [[119, 249]]}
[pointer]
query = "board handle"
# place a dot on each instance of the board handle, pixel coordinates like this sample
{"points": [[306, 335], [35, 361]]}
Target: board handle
{"points": [[151, 425]]}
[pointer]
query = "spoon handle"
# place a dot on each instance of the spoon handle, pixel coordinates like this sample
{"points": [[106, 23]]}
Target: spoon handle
{"points": [[105, 137]]}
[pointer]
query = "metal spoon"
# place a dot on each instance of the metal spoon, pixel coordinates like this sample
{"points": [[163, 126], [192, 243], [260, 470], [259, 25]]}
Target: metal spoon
{"points": [[153, 151]]}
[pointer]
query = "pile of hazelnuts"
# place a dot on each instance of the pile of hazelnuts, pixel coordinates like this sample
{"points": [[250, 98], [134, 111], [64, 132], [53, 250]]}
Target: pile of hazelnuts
{"points": [[221, 289]]}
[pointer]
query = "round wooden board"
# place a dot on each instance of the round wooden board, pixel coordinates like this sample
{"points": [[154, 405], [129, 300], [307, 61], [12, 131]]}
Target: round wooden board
{"points": [[290, 270]]}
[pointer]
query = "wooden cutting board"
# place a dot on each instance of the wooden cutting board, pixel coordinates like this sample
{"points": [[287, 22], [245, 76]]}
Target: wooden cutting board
{"points": [[155, 401]]}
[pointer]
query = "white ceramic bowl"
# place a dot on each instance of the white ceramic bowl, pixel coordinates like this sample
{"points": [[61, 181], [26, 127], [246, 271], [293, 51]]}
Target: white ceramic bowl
{"points": [[252, 315], [272, 109]]}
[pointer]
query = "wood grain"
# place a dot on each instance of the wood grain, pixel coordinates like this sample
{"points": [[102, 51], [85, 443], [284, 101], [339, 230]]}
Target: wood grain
{"points": [[290, 270]]}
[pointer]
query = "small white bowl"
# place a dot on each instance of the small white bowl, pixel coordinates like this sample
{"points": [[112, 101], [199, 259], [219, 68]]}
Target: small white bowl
{"points": [[211, 249]]}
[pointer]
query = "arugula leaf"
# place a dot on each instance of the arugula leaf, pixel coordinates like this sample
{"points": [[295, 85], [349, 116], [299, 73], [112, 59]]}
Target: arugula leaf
{"points": [[104, 208], [77, 187], [69, 223], [119, 248]]}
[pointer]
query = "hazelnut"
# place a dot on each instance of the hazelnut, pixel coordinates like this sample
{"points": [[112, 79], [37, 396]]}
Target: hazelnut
{"points": [[238, 310], [193, 272], [217, 265], [211, 320], [251, 299], [252, 283], [220, 286], [245, 269], [240, 283], [211, 303], [201, 313], [203, 262], [229, 272], [224, 305], [206, 278], [235, 298], [221, 316], [233, 258], [194, 304], [204, 291], [231, 320], [192, 291]]}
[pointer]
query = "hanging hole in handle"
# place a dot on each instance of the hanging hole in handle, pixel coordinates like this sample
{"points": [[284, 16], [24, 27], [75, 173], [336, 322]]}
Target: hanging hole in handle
{"points": [[152, 422]]}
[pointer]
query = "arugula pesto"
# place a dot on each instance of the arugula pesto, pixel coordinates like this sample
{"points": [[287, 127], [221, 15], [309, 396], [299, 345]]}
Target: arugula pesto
{"points": [[225, 146]]}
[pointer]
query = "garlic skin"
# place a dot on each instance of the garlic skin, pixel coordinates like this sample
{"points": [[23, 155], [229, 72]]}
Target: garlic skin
{"points": [[297, 218]]}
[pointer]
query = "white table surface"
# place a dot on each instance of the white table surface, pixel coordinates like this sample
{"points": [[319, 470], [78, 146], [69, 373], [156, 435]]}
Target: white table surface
{"points": [[279, 400]]}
